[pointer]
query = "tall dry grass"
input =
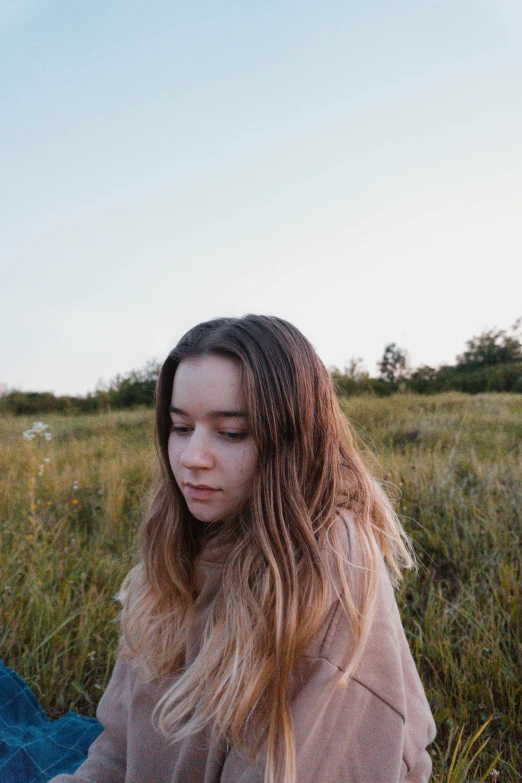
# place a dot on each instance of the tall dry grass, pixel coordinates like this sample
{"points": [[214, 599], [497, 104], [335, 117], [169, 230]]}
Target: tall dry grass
{"points": [[452, 462]]}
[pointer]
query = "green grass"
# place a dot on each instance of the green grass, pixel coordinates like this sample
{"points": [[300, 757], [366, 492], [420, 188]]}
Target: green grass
{"points": [[452, 462]]}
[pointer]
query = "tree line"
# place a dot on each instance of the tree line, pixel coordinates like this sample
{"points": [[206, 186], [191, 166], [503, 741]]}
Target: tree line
{"points": [[124, 391], [492, 362]]}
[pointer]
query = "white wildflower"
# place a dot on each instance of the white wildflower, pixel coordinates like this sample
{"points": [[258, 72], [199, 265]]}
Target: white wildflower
{"points": [[75, 485], [38, 428], [46, 459]]}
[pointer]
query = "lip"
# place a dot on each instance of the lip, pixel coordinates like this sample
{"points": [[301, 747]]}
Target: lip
{"points": [[199, 491]]}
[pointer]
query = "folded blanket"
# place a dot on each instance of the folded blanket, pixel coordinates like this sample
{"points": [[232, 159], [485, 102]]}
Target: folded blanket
{"points": [[34, 748]]}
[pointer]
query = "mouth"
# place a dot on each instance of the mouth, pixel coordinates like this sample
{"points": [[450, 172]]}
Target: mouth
{"points": [[199, 491]]}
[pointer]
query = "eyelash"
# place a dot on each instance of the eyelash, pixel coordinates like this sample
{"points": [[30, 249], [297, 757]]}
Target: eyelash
{"points": [[232, 436]]}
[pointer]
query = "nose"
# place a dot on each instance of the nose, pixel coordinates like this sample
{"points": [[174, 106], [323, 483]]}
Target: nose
{"points": [[197, 454]]}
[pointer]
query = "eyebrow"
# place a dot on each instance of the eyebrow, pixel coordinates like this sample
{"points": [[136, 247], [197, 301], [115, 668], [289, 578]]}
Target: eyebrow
{"points": [[213, 414]]}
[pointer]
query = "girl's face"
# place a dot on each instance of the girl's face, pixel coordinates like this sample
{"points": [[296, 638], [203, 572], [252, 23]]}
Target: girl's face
{"points": [[211, 452]]}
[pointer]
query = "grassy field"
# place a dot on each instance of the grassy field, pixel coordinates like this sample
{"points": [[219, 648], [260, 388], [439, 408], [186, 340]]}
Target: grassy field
{"points": [[70, 504]]}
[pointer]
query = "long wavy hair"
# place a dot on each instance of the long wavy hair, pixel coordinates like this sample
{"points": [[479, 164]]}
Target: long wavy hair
{"points": [[286, 563]]}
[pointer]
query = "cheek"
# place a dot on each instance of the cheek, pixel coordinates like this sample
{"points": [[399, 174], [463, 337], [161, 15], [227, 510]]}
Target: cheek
{"points": [[173, 455], [247, 467]]}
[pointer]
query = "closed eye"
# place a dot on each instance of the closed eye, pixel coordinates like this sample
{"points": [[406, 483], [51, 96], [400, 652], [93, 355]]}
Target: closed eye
{"points": [[234, 435], [228, 434]]}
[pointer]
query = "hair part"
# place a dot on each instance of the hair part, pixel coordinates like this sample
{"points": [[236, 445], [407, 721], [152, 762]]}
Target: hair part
{"points": [[286, 562]]}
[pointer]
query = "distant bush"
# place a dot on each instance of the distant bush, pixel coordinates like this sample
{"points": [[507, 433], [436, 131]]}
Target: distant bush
{"points": [[346, 386], [27, 403], [393, 367], [136, 388], [474, 380], [491, 363], [428, 380], [493, 347]]}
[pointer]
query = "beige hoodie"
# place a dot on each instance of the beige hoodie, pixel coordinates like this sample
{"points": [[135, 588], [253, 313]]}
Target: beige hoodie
{"points": [[375, 730]]}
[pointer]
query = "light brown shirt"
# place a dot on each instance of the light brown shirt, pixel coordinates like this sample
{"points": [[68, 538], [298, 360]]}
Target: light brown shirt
{"points": [[374, 730]]}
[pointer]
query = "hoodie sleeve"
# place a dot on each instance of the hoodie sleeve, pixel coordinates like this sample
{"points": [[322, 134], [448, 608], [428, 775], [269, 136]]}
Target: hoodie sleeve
{"points": [[352, 735], [377, 729], [107, 758]]}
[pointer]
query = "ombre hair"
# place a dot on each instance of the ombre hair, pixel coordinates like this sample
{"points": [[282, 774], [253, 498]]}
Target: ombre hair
{"points": [[287, 562]]}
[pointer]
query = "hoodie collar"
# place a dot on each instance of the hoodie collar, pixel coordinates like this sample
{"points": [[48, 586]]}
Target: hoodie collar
{"points": [[210, 561]]}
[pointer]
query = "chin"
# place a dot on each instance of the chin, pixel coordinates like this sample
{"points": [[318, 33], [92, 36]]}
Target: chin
{"points": [[203, 514], [206, 519]]}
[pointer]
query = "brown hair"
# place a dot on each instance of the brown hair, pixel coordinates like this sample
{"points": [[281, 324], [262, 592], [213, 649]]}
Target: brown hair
{"points": [[285, 563]]}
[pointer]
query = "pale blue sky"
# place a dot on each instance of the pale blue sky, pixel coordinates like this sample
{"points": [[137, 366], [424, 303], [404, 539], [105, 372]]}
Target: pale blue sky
{"points": [[355, 168]]}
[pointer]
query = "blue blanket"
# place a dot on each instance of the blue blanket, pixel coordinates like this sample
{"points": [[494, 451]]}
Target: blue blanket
{"points": [[34, 748]]}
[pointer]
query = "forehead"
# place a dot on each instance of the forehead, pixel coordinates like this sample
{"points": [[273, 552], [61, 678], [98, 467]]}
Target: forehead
{"points": [[207, 383]]}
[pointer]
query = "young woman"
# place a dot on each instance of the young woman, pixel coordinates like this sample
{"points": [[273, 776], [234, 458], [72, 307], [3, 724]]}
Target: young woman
{"points": [[260, 637]]}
